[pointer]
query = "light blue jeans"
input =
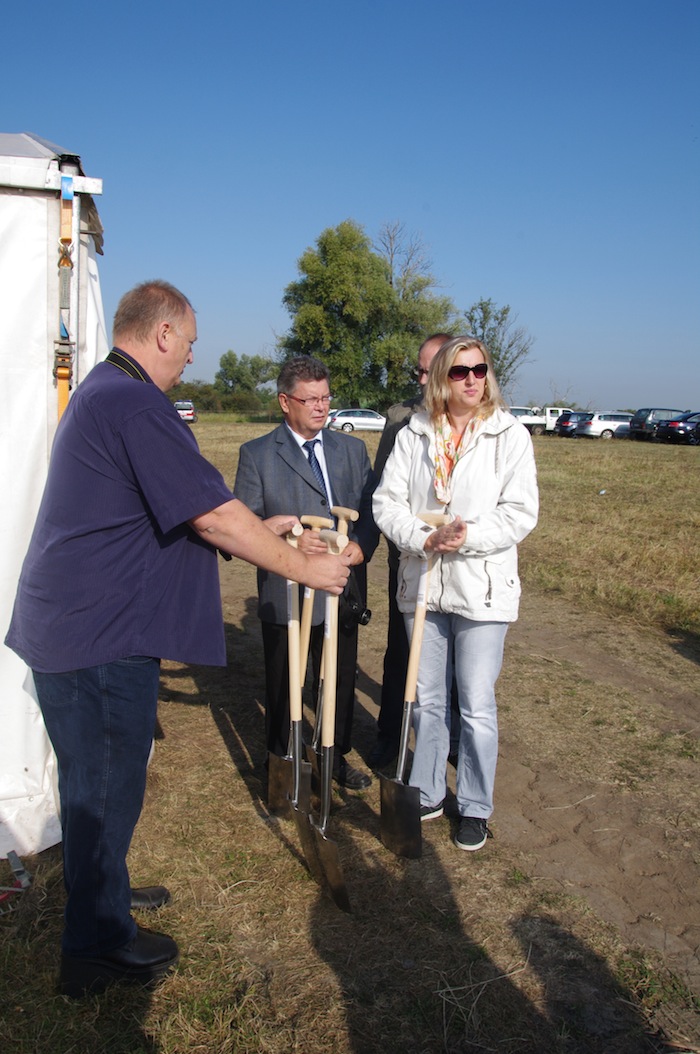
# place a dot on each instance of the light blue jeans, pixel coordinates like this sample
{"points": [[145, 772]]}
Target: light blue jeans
{"points": [[478, 655]]}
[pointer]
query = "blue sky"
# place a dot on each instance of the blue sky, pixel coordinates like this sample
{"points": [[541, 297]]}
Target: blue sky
{"points": [[545, 151]]}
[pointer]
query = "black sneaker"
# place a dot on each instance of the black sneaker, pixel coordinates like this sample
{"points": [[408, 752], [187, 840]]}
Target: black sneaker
{"points": [[472, 833], [431, 812]]}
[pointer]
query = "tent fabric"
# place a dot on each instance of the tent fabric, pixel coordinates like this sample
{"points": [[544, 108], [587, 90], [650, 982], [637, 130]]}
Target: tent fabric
{"points": [[29, 237]]}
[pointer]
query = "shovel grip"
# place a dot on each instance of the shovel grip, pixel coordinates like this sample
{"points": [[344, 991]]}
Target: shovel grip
{"points": [[335, 540], [316, 522], [345, 517]]}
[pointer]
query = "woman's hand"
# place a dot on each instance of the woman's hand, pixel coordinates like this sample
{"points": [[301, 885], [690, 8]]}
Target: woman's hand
{"points": [[447, 539]]}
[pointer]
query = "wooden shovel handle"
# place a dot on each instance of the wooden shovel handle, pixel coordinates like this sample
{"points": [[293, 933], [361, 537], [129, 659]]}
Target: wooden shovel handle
{"points": [[295, 708], [434, 519], [336, 543]]}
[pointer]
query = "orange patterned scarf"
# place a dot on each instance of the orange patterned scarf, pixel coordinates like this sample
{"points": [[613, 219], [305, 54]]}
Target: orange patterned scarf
{"points": [[447, 455]]}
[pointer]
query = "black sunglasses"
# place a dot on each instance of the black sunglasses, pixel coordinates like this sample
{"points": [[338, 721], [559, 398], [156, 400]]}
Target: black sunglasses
{"points": [[460, 373]]}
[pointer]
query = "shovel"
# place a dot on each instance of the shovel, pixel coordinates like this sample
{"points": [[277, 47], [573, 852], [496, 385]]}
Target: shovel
{"points": [[289, 777], [326, 848], [400, 826], [345, 516], [316, 523]]}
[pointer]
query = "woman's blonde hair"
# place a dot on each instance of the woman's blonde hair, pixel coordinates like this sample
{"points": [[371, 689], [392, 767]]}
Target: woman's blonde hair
{"points": [[438, 388]]}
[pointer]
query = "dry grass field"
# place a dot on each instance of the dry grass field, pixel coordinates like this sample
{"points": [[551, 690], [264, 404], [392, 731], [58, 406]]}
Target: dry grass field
{"points": [[575, 930]]}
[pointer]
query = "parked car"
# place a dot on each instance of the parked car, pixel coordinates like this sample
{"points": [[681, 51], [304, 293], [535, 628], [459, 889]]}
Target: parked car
{"points": [[537, 420], [565, 424], [186, 410], [350, 420], [604, 424], [645, 422], [683, 429]]}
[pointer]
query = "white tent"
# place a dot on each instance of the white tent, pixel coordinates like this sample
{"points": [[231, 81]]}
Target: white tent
{"points": [[52, 333]]}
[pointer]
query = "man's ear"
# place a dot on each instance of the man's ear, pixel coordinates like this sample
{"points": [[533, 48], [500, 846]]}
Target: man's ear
{"points": [[163, 331], [284, 406]]}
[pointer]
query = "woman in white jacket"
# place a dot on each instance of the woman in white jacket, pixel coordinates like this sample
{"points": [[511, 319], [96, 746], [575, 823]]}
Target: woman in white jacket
{"points": [[465, 455]]}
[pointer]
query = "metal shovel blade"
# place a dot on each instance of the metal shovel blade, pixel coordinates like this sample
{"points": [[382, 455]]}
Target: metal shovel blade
{"points": [[332, 878], [331, 868], [399, 824], [400, 820], [280, 786]]}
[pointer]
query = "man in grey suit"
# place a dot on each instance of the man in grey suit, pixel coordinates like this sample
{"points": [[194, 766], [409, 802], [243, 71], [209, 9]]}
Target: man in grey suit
{"points": [[302, 469]]}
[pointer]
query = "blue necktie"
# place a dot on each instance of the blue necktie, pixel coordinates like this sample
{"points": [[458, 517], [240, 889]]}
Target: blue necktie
{"points": [[315, 467]]}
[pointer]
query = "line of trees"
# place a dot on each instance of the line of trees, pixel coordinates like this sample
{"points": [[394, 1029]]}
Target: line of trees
{"points": [[364, 309]]}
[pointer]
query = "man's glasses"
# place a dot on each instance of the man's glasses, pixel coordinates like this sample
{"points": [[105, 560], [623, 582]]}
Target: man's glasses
{"points": [[420, 372], [321, 400], [460, 373]]}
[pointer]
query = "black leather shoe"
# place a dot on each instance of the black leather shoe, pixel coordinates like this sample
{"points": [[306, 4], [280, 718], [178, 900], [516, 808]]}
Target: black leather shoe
{"points": [[148, 898], [143, 961], [346, 776]]}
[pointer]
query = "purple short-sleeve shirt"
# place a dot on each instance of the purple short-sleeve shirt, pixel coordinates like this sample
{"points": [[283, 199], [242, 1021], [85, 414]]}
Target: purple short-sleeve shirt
{"points": [[112, 568]]}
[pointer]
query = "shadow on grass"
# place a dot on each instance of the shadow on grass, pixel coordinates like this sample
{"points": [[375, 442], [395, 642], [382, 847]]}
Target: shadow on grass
{"points": [[410, 978], [686, 643], [34, 1019]]}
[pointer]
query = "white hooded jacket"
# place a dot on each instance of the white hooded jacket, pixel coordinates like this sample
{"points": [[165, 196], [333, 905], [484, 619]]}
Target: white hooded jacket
{"points": [[494, 490]]}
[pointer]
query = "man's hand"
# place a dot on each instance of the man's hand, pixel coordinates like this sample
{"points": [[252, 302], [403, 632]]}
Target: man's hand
{"points": [[234, 529], [281, 525], [312, 543], [328, 573]]}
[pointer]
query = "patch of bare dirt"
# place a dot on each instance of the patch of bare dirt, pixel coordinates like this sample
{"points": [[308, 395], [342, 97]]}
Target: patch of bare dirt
{"points": [[632, 851]]}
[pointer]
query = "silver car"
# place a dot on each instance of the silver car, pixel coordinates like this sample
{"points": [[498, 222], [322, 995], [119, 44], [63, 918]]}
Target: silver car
{"points": [[350, 420], [604, 424]]}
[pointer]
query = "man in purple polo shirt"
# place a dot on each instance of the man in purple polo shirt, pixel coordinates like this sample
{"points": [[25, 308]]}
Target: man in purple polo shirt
{"points": [[121, 572]]}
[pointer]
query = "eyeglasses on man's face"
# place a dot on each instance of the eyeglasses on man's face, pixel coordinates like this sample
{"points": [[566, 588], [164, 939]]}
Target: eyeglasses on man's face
{"points": [[420, 371], [317, 400], [460, 373]]}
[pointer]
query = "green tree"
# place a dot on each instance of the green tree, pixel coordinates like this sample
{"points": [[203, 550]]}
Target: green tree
{"points": [[362, 313], [509, 344], [243, 375], [417, 311]]}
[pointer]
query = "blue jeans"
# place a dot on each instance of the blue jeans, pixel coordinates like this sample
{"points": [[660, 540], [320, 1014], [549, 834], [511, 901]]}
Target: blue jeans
{"points": [[100, 721], [478, 655]]}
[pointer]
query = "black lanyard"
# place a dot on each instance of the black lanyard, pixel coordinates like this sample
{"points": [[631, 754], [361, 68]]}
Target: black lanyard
{"points": [[119, 359]]}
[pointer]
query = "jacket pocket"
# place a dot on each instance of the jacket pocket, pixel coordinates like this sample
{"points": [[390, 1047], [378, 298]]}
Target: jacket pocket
{"points": [[502, 584]]}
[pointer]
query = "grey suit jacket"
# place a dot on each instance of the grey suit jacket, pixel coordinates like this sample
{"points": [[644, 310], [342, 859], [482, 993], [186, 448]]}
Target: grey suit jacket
{"points": [[274, 478]]}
